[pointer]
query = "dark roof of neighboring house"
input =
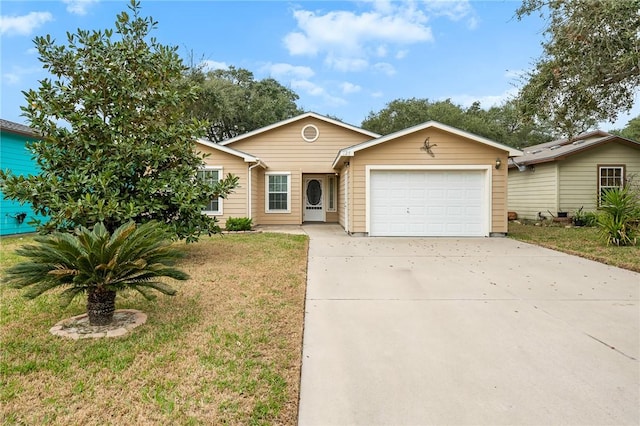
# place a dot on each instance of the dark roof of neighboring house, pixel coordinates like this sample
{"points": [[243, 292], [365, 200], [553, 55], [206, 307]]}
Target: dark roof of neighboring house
{"points": [[562, 148], [10, 126]]}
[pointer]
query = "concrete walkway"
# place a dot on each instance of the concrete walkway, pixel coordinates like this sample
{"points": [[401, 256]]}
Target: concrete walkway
{"points": [[419, 331]]}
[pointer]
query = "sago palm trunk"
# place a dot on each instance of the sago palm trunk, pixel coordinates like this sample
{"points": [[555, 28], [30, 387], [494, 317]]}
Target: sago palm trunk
{"points": [[101, 304]]}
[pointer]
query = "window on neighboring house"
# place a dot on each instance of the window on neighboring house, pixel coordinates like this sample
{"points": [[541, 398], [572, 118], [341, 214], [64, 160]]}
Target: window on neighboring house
{"points": [[278, 190], [211, 175], [609, 177], [331, 202]]}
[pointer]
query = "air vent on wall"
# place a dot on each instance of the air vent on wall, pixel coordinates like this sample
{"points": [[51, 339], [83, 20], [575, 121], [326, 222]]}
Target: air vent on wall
{"points": [[310, 133]]}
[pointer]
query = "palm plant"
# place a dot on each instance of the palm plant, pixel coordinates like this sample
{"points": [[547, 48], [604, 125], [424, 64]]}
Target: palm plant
{"points": [[99, 264], [620, 213]]}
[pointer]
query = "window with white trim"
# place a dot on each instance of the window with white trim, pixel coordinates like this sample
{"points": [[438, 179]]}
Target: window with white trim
{"points": [[278, 192], [331, 194], [609, 177], [211, 175]]}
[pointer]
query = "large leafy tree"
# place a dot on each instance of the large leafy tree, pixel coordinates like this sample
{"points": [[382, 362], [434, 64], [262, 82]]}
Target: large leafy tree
{"points": [[498, 123], [233, 102], [116, 141], [590, 67], [631, 130]]}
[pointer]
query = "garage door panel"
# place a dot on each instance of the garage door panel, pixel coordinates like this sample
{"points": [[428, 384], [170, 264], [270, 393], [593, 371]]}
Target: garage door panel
{"points": [[427, 203]]}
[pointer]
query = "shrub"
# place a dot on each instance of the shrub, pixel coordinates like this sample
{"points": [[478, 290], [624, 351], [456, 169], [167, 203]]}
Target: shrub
{"points": [[619, 217], [99, 264], [590, 219], [238, 224]]}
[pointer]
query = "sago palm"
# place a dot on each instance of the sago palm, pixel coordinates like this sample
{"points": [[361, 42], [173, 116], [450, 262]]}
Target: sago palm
{"points": [[98, 264]]}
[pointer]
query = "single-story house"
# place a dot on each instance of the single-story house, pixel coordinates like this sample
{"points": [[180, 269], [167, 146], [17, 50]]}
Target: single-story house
{"points": [[427, 180], [568, 174], [14, 217]]}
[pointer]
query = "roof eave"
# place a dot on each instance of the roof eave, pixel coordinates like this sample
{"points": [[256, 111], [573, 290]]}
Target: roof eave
{"points": [[294, 119]]}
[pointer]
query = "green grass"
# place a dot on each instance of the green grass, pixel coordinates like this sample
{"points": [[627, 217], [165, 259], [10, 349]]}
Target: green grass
{"points": [[579, 241], [225, 350]]}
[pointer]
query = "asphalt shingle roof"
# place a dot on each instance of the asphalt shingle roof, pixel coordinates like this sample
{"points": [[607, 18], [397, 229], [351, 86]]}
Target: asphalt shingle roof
{"points": [[10, 126], [559, 149]]}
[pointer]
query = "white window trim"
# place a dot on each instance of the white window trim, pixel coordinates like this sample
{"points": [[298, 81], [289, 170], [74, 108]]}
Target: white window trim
{"points": [[219, 212], [332, 186], [266, 192]]}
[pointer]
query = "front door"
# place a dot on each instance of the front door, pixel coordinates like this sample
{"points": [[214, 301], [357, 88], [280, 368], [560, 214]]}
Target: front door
{"points": [[313, 199]]}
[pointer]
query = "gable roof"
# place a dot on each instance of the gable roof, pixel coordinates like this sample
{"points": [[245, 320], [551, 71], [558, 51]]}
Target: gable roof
{"points": [[350, 151], [12, 127], [293, 120], [248, 158], [562, 148]]}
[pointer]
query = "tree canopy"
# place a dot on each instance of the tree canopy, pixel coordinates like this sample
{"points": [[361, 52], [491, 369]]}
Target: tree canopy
{"points": [[116, 142], [631, 130], [500, 124], [589, 70], [233, 102]]}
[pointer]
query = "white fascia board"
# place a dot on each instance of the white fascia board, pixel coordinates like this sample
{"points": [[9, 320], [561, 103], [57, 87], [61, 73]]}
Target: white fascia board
{"points": [[513, 152], [341, 154], [246, 157], [297, 118]]}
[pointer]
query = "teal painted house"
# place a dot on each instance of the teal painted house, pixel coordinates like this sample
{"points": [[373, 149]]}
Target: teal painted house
{"points": [[14, 217]]}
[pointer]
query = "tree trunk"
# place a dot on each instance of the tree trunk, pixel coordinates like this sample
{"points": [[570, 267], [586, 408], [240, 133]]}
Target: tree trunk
{"points": [[101, 304]]}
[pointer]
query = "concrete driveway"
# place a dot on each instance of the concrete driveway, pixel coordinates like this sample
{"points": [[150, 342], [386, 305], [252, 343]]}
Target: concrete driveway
{"points": [[419, 331]]}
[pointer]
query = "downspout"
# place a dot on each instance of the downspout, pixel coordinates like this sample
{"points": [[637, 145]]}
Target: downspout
{"points": [[250, 191]]}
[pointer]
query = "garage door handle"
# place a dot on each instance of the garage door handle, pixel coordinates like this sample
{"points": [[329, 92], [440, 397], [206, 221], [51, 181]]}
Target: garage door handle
{"points": [[408, 210]]}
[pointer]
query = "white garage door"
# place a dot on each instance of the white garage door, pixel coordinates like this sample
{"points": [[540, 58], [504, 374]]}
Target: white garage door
{"points": [[428, 203]]}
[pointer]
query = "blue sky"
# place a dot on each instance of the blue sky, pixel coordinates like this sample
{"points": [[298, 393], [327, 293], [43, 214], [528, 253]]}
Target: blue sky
{"points": [[343, 58]]}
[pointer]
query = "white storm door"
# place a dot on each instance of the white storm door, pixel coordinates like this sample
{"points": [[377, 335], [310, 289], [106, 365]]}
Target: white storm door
{"points": [[314, 199]]}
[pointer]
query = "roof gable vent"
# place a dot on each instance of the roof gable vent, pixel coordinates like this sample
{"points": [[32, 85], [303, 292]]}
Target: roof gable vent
{"points": [[310, 133]]}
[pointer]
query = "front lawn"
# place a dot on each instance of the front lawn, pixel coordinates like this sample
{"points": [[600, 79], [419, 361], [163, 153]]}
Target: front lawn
{"points": [[225, 350], [580, 241]]}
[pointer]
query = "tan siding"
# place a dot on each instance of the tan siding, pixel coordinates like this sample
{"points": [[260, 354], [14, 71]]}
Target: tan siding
{"points": [[450, 150], [579, 174], [283, 150], [535, 191], [235, 205]]}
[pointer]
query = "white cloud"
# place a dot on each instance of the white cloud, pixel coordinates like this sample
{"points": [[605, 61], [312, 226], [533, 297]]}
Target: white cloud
{"points": [[347, 39], [25, 24], [346, 64], [381, 51], [282, 70], [377, 94], [486, 101], [209, 65], [79, 7], [299, 44], [385, 68], [313, 89], [308, 87], [455, 10], [401, 53], [348, 88], [15, 76]]}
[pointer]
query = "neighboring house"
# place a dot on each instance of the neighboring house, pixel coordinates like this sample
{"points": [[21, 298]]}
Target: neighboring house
{"points": [[14, 217], [565, 175], [427, 180]]}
